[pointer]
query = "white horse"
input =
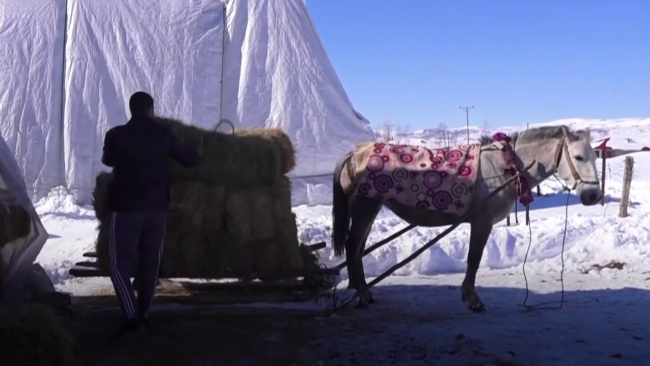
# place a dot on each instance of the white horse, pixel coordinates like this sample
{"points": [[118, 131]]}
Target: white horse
{"points": [[552, 150]]}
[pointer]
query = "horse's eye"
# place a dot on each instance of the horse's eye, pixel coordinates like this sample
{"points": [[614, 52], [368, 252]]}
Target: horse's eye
{"points": [[580, 158]]}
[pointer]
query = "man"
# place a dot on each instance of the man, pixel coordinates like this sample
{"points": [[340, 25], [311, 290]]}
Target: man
{"points": [[138, 198]]}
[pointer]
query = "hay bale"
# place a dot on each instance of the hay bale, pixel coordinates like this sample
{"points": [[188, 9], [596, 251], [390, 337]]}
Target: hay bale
{"points": [[100, 191], [239, 181], [103, 216], [15, 222], [33, 335], [203, 204], [280, 253], [286, 227], [249, 214], [187, 251], [203, 254], [229, 160], [279, 138]]}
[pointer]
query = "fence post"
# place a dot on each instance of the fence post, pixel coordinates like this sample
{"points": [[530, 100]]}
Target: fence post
{"points": [[627, 183], [603, 154], [516, 210]]}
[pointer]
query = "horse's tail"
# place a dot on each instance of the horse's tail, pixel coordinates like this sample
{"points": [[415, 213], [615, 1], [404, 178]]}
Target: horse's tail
{"points": [[340, 209]]}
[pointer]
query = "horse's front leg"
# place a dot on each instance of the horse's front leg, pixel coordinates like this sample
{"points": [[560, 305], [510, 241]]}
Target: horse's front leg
{"points": [[480, 232]]}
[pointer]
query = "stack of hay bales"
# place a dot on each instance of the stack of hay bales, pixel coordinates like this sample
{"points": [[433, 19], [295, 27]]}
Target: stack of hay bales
{"points": [[230, 213], [33, 335], [15, 223]]}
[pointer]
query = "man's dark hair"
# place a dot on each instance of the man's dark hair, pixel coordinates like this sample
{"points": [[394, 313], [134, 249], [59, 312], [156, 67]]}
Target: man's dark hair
{"points": [[140, 103]]}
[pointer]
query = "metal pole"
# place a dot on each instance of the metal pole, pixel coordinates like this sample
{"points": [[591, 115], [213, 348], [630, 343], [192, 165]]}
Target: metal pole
{"points": [[467, 108]]}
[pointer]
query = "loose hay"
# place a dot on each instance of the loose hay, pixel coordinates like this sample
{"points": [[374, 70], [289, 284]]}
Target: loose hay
{"points": [[33, 335], [3, 268], [15, 222], [232, 213]]}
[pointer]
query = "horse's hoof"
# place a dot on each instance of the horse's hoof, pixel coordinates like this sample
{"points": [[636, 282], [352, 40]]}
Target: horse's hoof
{"points": [[362, 305], [369, 298], [344, 299], [478, 308]]}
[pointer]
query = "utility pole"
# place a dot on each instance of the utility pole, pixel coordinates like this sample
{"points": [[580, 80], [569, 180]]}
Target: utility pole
{"points": [[467, 108]]}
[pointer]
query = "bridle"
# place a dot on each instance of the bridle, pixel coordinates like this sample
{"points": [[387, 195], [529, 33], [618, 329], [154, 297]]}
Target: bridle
{"points": [[563, 146]]}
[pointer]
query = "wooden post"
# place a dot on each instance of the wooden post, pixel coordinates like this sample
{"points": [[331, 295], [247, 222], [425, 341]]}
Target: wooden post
{"points": [[508, 220], [539, 192], [627, 183], [603, 156], [516, 210]]}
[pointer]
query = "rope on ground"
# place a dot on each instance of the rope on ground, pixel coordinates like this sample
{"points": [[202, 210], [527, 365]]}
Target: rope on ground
{"points": [[561, 302]]}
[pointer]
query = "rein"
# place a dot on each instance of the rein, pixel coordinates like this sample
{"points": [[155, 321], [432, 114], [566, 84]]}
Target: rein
{"points": [[563, 147]]}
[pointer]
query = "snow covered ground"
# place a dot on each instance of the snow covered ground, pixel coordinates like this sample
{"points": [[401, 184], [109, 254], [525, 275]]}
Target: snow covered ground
{"points": [[420, 317]]}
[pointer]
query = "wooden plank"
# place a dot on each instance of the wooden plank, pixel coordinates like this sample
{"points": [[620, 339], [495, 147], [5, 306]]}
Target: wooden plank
{"points": [[90, 269], [315, 247], [85, 272], [242, 286], [88, 264]]}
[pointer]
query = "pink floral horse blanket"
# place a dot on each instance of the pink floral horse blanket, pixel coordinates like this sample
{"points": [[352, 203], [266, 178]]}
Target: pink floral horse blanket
{"points": [[435, 179]]}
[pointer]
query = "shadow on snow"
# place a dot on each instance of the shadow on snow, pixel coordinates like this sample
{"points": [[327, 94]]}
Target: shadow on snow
{"points": [[603, 327]]}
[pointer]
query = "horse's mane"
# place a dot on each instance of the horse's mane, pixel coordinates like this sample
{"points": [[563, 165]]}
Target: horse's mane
{"points": [[539, 133]]}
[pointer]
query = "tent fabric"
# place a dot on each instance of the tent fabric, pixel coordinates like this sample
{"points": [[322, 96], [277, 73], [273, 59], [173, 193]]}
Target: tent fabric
{"points": [[74, 63], [32, 36], [71, 65], [20, 254]]}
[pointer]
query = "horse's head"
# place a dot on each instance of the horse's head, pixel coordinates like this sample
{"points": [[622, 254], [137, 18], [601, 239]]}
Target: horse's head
{"points": [[575, 160]]}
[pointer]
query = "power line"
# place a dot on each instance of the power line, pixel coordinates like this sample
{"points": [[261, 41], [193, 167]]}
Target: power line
{"points": [[467, 108]]}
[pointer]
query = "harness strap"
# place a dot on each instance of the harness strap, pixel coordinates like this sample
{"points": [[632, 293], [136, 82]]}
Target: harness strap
{"points": [[524, 192]]}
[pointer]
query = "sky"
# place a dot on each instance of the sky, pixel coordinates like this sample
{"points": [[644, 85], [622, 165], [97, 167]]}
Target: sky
{"points": [[413, 63]]}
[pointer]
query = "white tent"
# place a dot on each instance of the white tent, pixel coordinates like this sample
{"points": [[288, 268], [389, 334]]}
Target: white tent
{"points": [[70, 66]]}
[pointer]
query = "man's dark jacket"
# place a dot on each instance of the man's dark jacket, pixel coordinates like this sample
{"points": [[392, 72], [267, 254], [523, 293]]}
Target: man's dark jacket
{"points": [[139, 153]]}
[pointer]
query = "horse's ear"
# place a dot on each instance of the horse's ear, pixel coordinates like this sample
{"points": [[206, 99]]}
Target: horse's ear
{"points": [[486, 140], [584, 134]]}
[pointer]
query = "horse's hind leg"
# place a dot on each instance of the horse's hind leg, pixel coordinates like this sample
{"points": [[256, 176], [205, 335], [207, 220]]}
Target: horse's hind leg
{"points": [[363, 212], [480, 232]]}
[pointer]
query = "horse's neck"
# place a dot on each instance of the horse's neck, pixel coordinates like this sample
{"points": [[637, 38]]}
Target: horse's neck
{"points": [[543, 153]]}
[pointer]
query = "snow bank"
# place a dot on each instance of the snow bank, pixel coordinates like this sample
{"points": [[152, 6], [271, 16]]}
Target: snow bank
{"points": [[594, 236]]}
